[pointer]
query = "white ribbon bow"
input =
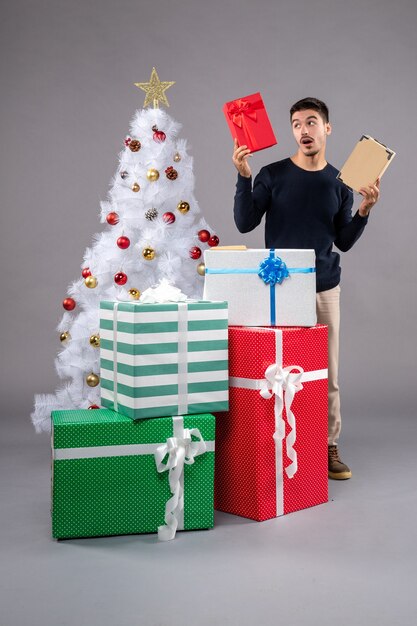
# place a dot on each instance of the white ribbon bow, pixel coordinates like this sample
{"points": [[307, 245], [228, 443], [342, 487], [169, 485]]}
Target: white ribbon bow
{"points": [[180, 450], [282, 382], [163, 292]]}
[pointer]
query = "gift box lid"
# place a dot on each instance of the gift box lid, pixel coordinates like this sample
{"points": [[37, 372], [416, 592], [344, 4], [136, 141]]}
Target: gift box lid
{"points": [[253, 349], [192, 305], [252, 257], [103, 427]]}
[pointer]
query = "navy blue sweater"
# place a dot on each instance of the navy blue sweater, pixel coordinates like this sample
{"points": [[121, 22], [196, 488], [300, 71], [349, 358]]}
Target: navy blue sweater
{"points": [[303, 210]]}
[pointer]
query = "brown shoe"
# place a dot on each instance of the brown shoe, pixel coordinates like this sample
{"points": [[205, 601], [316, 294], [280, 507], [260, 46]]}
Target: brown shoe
{"points": [[337, 469]]}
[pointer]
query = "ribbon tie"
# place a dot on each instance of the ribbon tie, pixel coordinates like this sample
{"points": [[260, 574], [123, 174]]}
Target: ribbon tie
{"points": [[180, 450], [238, 109], [283, 383]]}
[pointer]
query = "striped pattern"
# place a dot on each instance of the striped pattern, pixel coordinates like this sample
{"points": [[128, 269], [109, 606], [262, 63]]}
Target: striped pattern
{"points": [[169, 358]]}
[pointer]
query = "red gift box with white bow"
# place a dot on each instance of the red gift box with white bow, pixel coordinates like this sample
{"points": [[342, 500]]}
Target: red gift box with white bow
{"points": [[249, 123], [271, 446]]}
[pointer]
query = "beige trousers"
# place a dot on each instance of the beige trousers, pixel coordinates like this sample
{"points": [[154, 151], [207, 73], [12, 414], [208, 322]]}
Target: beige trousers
{"points": [[328, 312]]}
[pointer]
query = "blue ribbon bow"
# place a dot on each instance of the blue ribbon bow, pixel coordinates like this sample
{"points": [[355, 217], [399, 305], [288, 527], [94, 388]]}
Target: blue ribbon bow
{"points": [[273, 270]]}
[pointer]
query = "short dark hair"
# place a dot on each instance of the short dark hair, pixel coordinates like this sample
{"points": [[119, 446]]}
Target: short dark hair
{"points": [[311, 103]]}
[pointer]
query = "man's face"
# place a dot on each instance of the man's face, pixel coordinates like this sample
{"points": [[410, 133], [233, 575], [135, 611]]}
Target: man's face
{"points": [[310, 131]]}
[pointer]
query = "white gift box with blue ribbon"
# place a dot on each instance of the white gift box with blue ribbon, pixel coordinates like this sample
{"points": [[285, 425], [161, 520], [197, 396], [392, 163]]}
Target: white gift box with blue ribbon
{"points": [[275, 287]]}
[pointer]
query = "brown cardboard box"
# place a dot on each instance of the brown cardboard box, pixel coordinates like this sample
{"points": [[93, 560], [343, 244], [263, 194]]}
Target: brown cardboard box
{"points": [[367, 162]]}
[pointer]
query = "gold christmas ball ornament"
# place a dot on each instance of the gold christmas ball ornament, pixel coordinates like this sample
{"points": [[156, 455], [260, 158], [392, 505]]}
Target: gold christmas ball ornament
{"points": [[92, 380], [64, 337], [134, 294], [135, 187], [95, 341], [177, 157], [201, 269], [148, 253], [152, 174], [183, 207], [91, 282]]}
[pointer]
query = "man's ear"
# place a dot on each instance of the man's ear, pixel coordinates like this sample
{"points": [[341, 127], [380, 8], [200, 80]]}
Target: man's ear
{"points": [[328, 128]]}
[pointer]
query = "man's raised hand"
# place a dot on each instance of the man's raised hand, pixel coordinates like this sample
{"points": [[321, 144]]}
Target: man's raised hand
{"points": [[370, 197], [240, 159]]}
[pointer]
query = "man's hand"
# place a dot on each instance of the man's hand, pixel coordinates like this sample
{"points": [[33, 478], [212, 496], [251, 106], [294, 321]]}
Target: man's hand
{"points": [[370, 197], [240, 159]]}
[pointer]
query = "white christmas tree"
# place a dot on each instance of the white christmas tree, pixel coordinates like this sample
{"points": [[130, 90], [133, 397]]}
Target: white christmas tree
{"points": [[155, 230]]}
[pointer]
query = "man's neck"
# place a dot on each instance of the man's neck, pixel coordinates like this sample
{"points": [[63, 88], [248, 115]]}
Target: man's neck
{"points": [[312, 163]]}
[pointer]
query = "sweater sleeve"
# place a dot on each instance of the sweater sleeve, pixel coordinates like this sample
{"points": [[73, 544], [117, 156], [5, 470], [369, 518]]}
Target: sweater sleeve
{"points": [[348, 229], [250, 206]]}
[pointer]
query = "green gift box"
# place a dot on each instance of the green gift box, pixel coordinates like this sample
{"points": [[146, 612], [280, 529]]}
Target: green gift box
{"points": [[164, 359], [109, 478]]}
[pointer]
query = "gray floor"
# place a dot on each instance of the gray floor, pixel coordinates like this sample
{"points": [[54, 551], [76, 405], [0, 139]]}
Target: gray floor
{"points": [[349, 562]]}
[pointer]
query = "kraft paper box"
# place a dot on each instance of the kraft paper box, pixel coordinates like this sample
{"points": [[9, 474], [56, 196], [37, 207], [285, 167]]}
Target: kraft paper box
{"points": [[366, 163], [271, 446], [263, 287], [164, 359], [249, 123], [107, 480]]}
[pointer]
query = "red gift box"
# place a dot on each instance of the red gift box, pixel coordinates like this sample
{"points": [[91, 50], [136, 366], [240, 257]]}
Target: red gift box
{"points": [[271, 446], [249, 123]]}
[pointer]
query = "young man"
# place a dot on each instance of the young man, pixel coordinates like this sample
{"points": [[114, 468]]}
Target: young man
{"points": [[306, 206]]}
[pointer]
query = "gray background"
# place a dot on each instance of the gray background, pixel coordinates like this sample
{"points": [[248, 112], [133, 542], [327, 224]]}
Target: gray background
{"points": [[67, 71]]}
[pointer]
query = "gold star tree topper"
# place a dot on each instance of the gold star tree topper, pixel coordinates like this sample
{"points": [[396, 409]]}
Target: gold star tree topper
{"points": [[155, 90]]}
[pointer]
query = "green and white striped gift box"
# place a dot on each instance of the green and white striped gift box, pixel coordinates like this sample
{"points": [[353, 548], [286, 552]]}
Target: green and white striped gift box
{"points": [[164, 359]]}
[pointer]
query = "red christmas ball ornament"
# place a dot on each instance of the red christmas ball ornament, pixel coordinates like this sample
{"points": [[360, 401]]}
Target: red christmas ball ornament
{"points": [[195, 252], [112, 218], [168, 217], [120, 278], [158, 135], [203, 235], [213, 241], [86, 272], [69, 304], [123, 242], [93, 406]]}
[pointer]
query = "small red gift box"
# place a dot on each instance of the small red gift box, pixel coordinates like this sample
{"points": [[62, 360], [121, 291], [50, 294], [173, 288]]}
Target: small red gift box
{"points": [[271, 446], [249, 123]]}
